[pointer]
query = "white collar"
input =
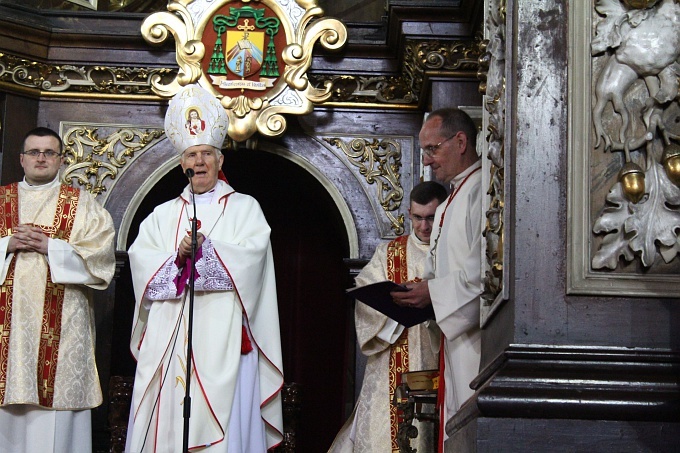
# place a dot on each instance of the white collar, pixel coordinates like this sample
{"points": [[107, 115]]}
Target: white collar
{"points": [[416, 238], [213, 195], [458, 178], [50, 185], [206, 197]]}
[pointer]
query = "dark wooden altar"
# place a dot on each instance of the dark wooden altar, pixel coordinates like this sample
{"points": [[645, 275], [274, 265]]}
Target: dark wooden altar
{"points": [[561, 372], [89, 70]]}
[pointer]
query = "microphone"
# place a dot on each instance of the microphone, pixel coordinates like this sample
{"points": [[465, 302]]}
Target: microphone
{"points": [[189, 172]]}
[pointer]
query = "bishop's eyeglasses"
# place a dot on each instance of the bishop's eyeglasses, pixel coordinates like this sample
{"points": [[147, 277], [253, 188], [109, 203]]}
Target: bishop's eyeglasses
{"points": [[49, 154]]}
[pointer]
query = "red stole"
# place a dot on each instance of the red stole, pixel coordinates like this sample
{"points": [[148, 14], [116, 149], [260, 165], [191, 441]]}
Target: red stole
{"points": [[397, 271], [48, 350]]}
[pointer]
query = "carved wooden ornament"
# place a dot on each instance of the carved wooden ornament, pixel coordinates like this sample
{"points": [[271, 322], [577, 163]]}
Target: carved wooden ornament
{"points": [[252, 54]]}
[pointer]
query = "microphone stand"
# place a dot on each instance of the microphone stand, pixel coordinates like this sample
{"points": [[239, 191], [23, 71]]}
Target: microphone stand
{"points": [[194, 243]]}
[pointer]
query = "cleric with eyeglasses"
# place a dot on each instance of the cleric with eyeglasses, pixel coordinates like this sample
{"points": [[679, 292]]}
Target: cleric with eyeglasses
{"points": [[452, 281], [58, 245]]}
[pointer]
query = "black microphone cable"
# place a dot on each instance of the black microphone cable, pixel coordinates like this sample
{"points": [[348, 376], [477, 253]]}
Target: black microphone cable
{"points": [[189, 172]]}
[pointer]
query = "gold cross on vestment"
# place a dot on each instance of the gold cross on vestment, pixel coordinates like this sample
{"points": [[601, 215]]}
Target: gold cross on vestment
{"points": [[9, 196], [46, 389], [69, 197], [50, 337]]}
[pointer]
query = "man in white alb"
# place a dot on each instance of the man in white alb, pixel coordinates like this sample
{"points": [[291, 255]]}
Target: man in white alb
{"points": [[236, 363], [453, 281], [58, 246]]}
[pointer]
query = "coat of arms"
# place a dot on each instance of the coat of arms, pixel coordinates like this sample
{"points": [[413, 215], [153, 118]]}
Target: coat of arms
{"points": [[252, 54], [244, 43]]}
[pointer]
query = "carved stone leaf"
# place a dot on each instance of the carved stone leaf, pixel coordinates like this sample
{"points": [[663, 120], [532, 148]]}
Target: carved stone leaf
{"points": [[612, 222], [649, 228], [653, 221], [668, 253]]}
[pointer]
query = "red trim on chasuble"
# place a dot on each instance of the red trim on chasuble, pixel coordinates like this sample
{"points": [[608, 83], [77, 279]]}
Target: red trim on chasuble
{"points": [[50, 336], [9, 217], [48, 351], [397, 271]]}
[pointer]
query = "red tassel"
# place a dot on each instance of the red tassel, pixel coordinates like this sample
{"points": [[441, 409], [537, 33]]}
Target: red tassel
{"points": [[246, 345]]}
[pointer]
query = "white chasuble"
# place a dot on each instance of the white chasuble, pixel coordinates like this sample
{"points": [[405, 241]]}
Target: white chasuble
{"points": [[238, 232], [47, 347], [372, 426]]}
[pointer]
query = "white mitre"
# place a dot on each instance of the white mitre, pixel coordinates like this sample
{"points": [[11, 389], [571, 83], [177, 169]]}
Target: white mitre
{"points": [[195, 117]]}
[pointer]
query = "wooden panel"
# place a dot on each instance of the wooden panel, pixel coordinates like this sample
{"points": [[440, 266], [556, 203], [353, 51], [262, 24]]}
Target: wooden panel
{"points": [[559, 436], [582, 383], [18, 115]]}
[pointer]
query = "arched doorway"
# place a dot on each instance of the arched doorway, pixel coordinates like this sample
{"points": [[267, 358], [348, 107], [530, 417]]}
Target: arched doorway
{"points": [[309, 242]]}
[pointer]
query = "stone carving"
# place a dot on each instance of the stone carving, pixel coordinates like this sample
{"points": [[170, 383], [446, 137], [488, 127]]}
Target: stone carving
{"points": [[636, 50], [387, 91], [379, 163], [120, 396], [292, 402], [453, 56]]}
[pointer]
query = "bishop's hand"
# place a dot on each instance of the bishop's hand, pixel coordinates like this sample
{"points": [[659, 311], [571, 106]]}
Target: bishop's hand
{"points": [[184, 250]]}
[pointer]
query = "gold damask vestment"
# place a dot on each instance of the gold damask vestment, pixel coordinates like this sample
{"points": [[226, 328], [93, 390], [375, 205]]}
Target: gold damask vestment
{"points": [[47, 329], [372, 427]]}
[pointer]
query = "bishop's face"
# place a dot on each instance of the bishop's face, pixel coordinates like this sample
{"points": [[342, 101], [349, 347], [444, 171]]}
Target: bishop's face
{"points": [[206, 161]]}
